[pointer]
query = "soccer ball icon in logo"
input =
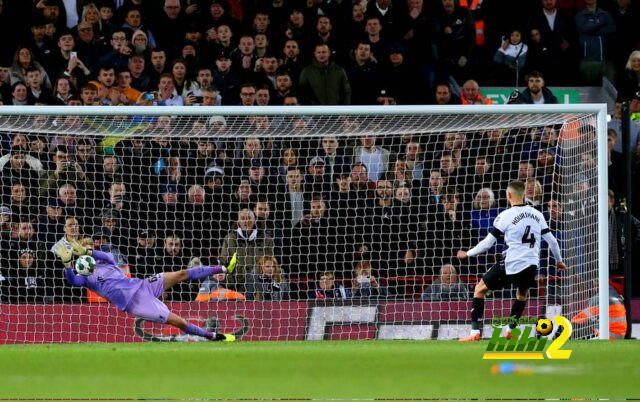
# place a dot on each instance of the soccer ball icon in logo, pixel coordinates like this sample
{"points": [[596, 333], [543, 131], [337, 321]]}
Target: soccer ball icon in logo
{"points": [[85, 265], [544, 326]]}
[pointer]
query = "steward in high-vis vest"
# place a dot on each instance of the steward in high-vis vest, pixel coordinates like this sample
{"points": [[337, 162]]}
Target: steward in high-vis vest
{"points": [[474, 6], [617, 315]]}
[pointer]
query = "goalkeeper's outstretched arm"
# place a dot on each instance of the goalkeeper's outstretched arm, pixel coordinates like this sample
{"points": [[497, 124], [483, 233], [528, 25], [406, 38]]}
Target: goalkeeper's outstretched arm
{"points": [[73, 279]]}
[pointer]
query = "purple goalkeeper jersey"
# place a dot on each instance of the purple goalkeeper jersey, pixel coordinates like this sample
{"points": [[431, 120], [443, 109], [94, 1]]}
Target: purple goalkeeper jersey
{"points": [[107, 280]]}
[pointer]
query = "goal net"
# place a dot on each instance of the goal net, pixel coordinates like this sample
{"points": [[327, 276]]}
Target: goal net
{"points": [[346, 221]]}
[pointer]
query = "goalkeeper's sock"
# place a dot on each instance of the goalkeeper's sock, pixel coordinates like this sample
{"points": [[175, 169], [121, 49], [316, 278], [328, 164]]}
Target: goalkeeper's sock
{"points": [[477, 313], [196, 273], [195, 330], [516, 310]]}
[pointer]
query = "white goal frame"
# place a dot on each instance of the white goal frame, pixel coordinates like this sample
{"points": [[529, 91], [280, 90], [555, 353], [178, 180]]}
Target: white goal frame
{"points": [[600, 110]]}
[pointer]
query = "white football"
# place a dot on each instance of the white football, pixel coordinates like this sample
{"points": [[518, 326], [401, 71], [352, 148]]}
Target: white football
{"points": [[85, 265]]}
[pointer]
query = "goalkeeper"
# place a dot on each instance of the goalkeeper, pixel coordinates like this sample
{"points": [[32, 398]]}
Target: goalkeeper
{"points": [[139, 297]]}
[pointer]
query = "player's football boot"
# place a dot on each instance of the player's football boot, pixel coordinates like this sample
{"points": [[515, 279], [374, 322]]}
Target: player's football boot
{"points": [[471, 338], [232, 264], [224, 338], [509, 336]]}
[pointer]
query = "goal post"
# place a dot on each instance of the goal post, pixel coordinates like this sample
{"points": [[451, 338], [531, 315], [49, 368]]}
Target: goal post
{"points": [[405, 262]]}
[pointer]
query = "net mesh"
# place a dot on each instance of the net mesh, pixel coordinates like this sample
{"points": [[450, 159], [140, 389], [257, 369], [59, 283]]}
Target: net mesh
{"points": [[346, 227]]}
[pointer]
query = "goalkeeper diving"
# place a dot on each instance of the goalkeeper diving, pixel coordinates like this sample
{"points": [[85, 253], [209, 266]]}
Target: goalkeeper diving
{"points": [[139, 297]]}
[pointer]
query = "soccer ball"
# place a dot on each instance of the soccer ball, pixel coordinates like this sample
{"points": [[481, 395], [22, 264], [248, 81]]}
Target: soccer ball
{"points": [[544, 326], [85, 265]]}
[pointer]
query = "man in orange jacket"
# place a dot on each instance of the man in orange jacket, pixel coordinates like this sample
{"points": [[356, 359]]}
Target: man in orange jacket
{"points": [[471, 94], [617, 315]]}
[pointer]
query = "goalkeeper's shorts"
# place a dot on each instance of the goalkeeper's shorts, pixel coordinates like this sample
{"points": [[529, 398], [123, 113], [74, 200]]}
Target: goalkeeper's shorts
{"points": [[497, 278], [146, 304]]}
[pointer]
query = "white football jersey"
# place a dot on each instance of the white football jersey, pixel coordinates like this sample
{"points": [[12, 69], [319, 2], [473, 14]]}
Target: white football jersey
{"points": [[522, 227]]}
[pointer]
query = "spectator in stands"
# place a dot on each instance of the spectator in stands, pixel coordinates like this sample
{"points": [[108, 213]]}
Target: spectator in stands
{"points": [[555, 33], [323, 82], [5, 222], [291, 198], [305, 253], [63, 90], [61, 62], [617, 244], [71, 233], [144, 254], [481, 175], [595, 27], [18, 170], [267, 281], [375, 158], [101, 239], [5, 83], [24, 60], [133, 21], [471, 92], [317, 181], [167, 92], [455, 37], [444, 95], [448, 227], [364, 283], [289, 159], [263, 97], [250, 243], [327, 288], [484, 212], [117, 52], [89, 95], [364, 74], [158, 66], [292, 60], [510, 58], [26, 279], [139, 79], [333, 155], [51, 224], [19, 95], [400, 176], [525, 170], [533, 192], [628, 82], [446, 287], [536, 92], [124, 80], [37, 93], [21, 202]]}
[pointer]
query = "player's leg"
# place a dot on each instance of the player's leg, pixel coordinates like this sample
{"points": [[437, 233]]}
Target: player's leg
{"points": [[188, 328], [523, 281], [492, 280], [190, 274], [197, 273]]}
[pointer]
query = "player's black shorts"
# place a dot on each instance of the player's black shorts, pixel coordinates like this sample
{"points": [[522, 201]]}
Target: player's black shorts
{"points": [[497, 278]]}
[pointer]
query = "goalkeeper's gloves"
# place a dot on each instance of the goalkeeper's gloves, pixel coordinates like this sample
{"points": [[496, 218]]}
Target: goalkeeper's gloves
{"points": [[232, 263], [78, 249], [64, 253]]}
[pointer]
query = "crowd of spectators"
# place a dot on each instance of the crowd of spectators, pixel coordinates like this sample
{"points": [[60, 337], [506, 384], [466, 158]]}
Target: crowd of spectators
{"points": [[330, 217], [361, 210]]}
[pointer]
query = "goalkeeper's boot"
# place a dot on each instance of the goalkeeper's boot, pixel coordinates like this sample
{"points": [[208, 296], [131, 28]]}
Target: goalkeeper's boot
{"points": [[232, 264], [473, 337], [224, 338]]}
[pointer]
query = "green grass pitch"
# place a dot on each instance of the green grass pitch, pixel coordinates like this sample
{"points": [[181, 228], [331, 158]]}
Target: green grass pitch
{"points": [[341, 369]]}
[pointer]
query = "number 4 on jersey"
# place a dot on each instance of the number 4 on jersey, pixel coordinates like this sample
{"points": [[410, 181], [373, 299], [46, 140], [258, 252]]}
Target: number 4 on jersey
{"points": [[529, 239]]}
